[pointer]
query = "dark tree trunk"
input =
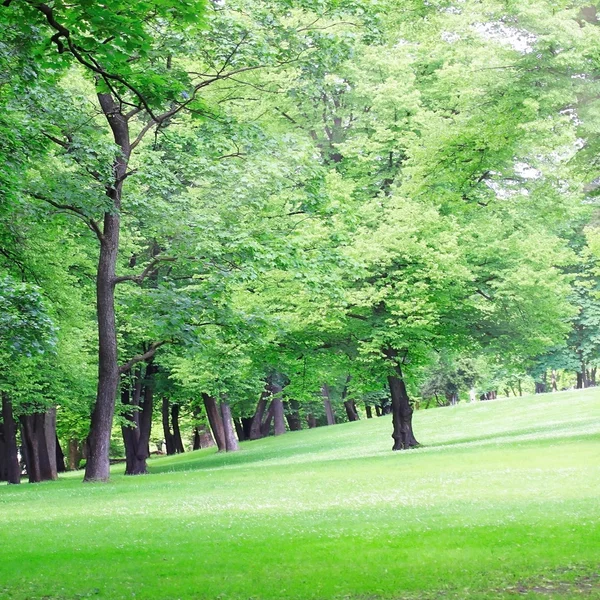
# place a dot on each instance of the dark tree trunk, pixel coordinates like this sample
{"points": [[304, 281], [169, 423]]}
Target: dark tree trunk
{"points": [[329, 414], [239, 429], [215, 420], [553, 380], [579, 385], [369, 411], [40, 465], [401, 413], [97, 465], [292, 414], [540, 387], [247, 425], [312, 422], [255, 428], [203, 437], [60, 458], [169, 439], [378, 410], [519, 387], [351, 410], [231, 443], [11, 467], [178, 442], [277, 406], [593, 377]]}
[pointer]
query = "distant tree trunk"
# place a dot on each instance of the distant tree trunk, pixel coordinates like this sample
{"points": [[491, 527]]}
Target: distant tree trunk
{"points": [[329, 414], [265, 427], [540, 387], [239, 429], [292, 414], [75, 454], [60, 458], [247, 426], [177, 441], [11, 468], [216, 421], [369, 411], [401, 409], [579, 384], [519, 387], [231, 443], [593, 377], [169, 439], [312, 422], [553, 379], [255, 428], [378, 410], [203, 437]]}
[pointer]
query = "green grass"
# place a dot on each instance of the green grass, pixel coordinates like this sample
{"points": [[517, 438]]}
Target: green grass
{"points": [[503, 501]]}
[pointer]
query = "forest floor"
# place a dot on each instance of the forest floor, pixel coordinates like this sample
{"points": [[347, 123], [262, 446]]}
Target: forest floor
{"points": [[501, 502]]}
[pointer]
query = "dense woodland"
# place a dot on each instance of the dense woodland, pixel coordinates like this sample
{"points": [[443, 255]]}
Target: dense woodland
{"points": [[229, 219]]}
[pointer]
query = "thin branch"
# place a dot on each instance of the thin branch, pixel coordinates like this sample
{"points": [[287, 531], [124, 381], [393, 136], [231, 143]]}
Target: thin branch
{"points": [[149, 270]]}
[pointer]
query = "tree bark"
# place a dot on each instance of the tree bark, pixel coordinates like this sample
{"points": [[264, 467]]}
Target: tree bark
{"points": [[215, 420], [12, 469], [231, 443], [312, 422], [351, 410], [40, 465], [75, 454], [378, 410], [239, 429], [277, 406], [369, 411], [98, 464], [265, 427], [329, 414], [401, 413], [60, 458], [553, 380]]}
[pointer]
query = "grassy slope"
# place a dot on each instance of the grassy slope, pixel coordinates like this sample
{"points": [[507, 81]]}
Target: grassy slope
{"points": [[502, 502]]}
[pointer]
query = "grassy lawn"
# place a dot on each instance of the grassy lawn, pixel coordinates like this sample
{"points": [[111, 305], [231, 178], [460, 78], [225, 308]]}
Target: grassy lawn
{"points": [[503, 501]]}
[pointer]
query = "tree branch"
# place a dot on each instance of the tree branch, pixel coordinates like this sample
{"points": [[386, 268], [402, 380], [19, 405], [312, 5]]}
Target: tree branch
{"points": [[142, 357], [149, 270]]}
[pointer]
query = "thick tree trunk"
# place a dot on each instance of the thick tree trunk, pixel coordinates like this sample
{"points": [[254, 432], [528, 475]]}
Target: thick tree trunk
{"points": [[247, 426], [231, 443], [292, 415], [312, 422], [369, 411], [178, 442], [329, 414], [75, 454], [255, 428], [169, 439], [216, 421], [202, 437], [401, 413], [378, 410], [579, 384], [97, 465], [11, 467], [40, 465]]}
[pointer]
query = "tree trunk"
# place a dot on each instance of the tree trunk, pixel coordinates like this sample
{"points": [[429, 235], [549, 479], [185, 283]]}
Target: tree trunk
{"points": [[329, 414], [265, 427], [401, 413], [40, 466], [369, 411], [378, 410], [231, 443], [60, 458], [169, 439], [292, 414], [178, 442], [49, 425], [216, 421], [553, 380], [351, 410], [75, 454], [12, 469], [202, 437], [593, 377], [239, 429], [97, 465], [312, 422], [255, 428], [579, 385]]}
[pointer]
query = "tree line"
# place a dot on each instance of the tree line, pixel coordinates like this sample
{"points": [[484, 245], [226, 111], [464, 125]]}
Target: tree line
{"points": [[260, 212]]}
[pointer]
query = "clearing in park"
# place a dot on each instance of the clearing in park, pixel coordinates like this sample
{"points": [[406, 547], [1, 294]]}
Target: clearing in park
{"points": [[501, 502]]}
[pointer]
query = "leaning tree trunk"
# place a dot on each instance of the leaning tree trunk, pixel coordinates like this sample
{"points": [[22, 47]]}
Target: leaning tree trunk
{"points": [[329, 414], [98, 463], [231, 443], [265, 427], [401, 413], [351, 410], [255, 427], [12, 470], [216, 421]]}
